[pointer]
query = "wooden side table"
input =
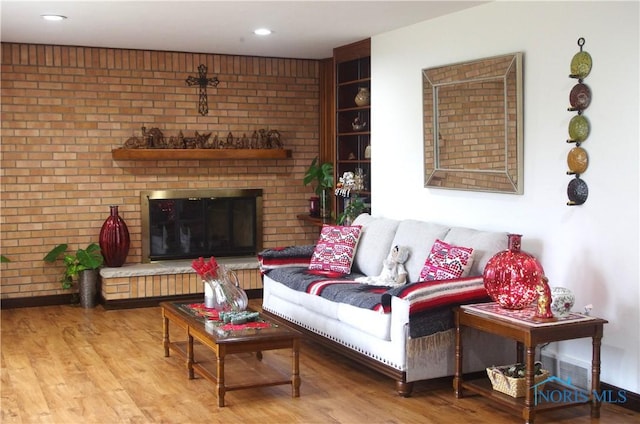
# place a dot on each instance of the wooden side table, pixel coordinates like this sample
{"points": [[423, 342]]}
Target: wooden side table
{"points": [[528, 333], [317, 221]]}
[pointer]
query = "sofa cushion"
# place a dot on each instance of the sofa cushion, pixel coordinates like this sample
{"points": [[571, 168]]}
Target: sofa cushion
{"points": [[368, 321], [340, 290], [485, 244], [375, 243], [419, 237], [446, 262], [335, 249]]}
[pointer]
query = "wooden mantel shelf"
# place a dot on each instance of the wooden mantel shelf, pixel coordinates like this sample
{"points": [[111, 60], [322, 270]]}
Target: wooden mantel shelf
{"points": [[198, 154]]}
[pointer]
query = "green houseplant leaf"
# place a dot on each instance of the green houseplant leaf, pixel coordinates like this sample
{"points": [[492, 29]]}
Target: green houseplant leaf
{"points": [[321, 174], [91, 258], [52, 256], [311, 173]]}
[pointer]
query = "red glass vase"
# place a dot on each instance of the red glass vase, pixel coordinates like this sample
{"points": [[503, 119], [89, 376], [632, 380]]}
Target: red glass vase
{"points": [[114, 239], [511, 276]]}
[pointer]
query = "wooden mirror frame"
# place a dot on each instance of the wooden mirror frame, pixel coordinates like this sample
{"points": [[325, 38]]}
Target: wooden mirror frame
{"points": [[473, 125]]}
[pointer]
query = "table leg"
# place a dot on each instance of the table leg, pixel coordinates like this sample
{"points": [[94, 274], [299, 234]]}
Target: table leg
{"points": [[595, 375], [457, 379], [295, 372], [165, 334], [220, 389], [190, 355], [529, 410], [259, 355], [519, 352]]}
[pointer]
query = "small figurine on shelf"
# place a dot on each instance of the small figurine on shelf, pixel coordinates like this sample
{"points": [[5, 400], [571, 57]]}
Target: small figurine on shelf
{"points": [[350, 181], [357, 124]]}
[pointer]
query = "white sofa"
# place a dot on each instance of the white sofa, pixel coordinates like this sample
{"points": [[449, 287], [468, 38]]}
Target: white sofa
{"points": [[385, 339]]}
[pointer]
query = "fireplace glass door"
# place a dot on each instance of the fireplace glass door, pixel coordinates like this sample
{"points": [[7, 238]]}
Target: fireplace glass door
{"points": [[195, 226]]}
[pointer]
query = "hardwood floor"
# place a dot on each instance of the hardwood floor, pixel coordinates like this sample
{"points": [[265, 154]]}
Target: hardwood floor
{"points": [[64, 364]]}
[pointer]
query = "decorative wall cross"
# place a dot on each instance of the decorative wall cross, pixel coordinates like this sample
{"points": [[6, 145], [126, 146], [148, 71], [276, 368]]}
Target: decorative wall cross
{"points": [[203, 82]]}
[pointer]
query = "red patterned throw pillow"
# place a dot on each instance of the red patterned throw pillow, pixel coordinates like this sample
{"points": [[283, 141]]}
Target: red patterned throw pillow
{"points": [[335, 249], [446, 262]]}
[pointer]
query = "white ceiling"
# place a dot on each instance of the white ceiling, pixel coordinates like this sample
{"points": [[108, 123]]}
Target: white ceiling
{"points": [[301, 29]]}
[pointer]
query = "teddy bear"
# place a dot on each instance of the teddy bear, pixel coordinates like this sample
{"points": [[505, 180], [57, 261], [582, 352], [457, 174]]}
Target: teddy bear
{"points": [[393, 272]]}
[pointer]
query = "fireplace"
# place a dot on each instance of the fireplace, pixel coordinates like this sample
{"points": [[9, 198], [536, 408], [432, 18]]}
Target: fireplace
{"points": [[186, 224]]}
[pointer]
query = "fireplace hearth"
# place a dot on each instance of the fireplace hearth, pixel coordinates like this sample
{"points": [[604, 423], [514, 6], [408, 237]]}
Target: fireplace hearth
{"points": [[186, 224]]}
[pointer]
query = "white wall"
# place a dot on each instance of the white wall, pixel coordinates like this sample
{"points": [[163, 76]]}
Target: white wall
{"points": [[592, 249]]}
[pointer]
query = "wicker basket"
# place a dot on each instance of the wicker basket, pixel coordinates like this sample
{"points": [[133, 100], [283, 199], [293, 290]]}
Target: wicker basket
{"points": [[514, 387]]}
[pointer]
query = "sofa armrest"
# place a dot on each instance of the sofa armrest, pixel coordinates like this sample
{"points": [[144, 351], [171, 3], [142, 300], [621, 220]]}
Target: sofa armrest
{"points": [[425, 295], [280, 257], [424, 308], [399, 329]]}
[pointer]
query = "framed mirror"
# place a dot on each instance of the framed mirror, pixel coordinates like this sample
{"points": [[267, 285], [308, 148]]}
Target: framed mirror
{"points": [[473, 125]]}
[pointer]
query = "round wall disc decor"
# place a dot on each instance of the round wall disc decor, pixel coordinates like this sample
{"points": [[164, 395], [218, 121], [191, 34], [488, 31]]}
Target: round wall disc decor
{"points": [[578, 128], [580, 96], [577, 191], [581, 65], [577, 160]]}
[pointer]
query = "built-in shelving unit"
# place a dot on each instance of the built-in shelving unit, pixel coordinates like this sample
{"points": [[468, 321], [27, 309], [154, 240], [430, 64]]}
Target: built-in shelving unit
{"points": [[199, 154], [352, 145]]}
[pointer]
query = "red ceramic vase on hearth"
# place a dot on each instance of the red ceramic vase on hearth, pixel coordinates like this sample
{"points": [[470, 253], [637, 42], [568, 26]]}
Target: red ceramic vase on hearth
{"points": [[114, 239], [511, 276]]}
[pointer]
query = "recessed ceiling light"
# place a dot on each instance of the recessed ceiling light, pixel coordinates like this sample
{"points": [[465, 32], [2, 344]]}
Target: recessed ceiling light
{"points": [[262, 31], [53, 17]]}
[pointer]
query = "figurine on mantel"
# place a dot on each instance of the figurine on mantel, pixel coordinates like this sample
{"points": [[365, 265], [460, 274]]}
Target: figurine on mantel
{"points": [[176, 142], [155, 139], [198, 142]]}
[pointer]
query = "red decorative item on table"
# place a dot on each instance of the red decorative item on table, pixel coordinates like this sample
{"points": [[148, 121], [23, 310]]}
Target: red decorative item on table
{"points": [[204, 269], [222, 290], [208, 271], [511, 276], [544, 299]]}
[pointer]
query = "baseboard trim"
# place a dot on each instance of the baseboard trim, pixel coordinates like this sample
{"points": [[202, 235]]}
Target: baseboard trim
{"points": [[633, 399], [35, 301], [148, 302], [72, 299]]}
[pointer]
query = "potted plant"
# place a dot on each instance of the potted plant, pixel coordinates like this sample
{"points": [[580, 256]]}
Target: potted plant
{"points": [[321, 175], [84, 265], [354, 207]]}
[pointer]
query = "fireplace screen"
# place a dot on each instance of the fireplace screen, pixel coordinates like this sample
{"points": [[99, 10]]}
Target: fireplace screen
{"points": [[185, 224]]}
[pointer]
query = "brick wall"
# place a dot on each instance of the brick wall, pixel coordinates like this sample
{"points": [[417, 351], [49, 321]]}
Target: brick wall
{"points": [[65, 108]]}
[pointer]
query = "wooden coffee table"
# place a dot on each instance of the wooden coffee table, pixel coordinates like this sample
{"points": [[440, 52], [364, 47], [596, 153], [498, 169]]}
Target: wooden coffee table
{"points": [[224, 343]]}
